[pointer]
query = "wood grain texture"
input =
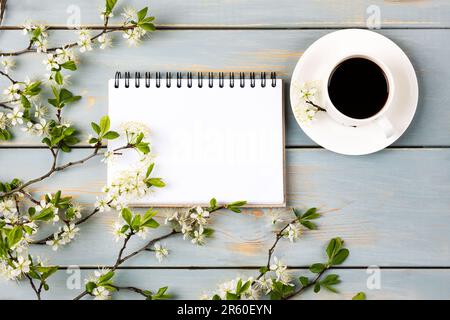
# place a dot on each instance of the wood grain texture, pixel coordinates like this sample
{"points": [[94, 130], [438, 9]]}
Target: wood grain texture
{"points": [[256, 50], [244, 13], [392, 208], [395, 284]]}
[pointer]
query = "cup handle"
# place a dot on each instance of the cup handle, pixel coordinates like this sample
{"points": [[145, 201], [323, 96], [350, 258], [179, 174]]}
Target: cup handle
{"points": [[386, 125]]}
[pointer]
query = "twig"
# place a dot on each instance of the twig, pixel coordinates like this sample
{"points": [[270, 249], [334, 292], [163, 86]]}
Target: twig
{"points": [[54, 168], [2, 10], [315, 105], [6, 106], [303, 288], [130, 288], [8, 76], [278, 236], [33, 286]]}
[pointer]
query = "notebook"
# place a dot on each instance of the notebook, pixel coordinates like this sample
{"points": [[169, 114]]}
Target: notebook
{"points": [[213, 135]]}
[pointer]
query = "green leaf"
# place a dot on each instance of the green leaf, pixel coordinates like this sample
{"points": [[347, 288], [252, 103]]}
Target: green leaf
{"points": [[213, 203], [208, 232], [5, 135], [147, 26], [263, 270], [317, 287], [317, 267], [143, 147], [142, 13], [304, 281], [216, 297], [90, 286], [105, 123], [25, 102], [333, 247], [14, 236], [155, 182], [106, 277], [44, 215], [58, 78], [69, 65], [359, 296], [111, 135], [232, 296], [95, 127], [309, 225], [152, 223], [110, 5], [127, 215], [149, 170], [340, 257]]}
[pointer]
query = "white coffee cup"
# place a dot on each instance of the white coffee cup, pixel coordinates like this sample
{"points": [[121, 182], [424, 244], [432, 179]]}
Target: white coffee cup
{"points": [[380, 117]]}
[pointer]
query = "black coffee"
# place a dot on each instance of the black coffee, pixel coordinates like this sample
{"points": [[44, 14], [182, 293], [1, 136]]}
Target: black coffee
{"points": [[358, 88]]}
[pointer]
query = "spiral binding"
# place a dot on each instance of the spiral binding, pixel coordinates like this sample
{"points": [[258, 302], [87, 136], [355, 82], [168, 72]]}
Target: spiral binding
{"points": [[189, 77]]}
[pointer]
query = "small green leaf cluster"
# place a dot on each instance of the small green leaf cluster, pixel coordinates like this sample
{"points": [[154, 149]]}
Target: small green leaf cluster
{"points": [[102, 131], [143, 21], [135, 222], [62, 97], [60, 136], [337, 255], [305, 218]]}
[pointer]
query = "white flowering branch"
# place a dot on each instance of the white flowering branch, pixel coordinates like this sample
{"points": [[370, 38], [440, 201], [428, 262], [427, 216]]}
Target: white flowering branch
{"points": [[274, 279], [193, 220]]}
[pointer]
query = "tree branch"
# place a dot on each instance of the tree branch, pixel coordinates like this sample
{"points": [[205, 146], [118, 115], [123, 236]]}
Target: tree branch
{"points": [[54, 168]]}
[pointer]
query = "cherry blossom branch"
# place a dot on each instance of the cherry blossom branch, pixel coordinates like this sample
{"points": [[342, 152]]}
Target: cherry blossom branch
{"points": [[278, 236], [55, 168], [105, 29]]}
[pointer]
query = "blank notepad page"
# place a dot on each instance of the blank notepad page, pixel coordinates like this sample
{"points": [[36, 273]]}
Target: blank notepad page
{"points": [[223, 142]]}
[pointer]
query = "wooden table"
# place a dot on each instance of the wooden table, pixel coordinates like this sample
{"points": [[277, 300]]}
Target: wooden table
{"points": [[392, 208]]}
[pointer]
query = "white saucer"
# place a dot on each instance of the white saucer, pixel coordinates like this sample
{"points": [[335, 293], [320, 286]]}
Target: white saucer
{"points": [[369, 138]]}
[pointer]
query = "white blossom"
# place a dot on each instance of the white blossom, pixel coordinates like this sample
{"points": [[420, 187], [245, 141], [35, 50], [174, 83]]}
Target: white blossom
{"points": [[29, 127], [41, 127], [63, 55], [101, 293], [200, 215], [105, 41], [51, 62], [264, 285], [281, 272], [22, 265], [15, 116], [8, 206], [55, 242], [305, 113], [160, 252], [134, 35], [102, 205], [117, 231], [199, 237], [129, 13], [69, 232], [292, 232], [305, 107], [40, 111], [108, 157], [41, 46], [8, 64], [13, 91], [84, 40]]}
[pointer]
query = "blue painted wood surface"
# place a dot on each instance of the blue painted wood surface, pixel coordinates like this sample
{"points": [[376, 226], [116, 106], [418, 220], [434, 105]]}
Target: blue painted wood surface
{"points": [[392, 207]]}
